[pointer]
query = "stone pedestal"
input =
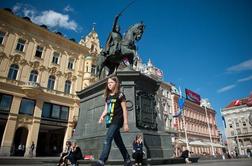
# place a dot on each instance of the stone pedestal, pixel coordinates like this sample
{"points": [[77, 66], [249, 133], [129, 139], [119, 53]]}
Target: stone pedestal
{"points": [[140, 91]]}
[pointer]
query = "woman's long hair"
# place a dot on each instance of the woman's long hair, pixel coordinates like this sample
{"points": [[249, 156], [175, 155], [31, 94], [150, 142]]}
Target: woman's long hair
{"points": [[137, 137], [117, 87]]}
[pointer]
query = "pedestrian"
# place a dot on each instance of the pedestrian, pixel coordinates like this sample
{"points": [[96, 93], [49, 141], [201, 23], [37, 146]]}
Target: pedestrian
{"points": [[32, 148], [116, 115], [21, 149], [74, 155], [229, 156], [185, 156], [138, 152], [65, 152], [248, 152], [54, 150]]}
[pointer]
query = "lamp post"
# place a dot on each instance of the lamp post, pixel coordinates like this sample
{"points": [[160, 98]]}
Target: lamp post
{"points": [[187, 142], [210, 135], [237, 138]]}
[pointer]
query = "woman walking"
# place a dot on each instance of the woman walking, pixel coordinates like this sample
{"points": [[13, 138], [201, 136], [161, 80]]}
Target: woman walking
{"points": [[116, 116]]}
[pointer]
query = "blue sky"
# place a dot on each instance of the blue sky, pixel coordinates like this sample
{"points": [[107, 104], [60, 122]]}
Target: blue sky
{"points": [[202, 45]]}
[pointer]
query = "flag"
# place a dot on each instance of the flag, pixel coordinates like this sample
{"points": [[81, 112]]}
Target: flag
{"points": [[224, 121], [178, 113]]}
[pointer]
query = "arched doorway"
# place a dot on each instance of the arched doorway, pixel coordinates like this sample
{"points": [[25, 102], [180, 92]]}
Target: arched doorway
{"points": [[19, 143]]}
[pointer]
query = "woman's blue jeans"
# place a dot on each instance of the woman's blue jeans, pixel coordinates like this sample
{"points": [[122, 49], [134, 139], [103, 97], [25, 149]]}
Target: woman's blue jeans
{"points": [[114, 133]]}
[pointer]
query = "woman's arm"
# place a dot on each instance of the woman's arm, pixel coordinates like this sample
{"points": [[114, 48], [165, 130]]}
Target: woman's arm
{"points": [[104, 113], [125, 116]]}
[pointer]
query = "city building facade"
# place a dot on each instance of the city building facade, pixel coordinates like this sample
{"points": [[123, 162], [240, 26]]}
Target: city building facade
{"points": [[40, 73], [194, 119], [196, 127], [238, 130]]}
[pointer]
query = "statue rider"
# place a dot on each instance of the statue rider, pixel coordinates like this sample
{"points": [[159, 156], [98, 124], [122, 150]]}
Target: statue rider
{"points": [[113, 42]]}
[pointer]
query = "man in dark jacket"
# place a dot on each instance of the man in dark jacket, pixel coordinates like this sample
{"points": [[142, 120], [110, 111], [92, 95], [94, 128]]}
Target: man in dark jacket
{"points": [[185, 155]]}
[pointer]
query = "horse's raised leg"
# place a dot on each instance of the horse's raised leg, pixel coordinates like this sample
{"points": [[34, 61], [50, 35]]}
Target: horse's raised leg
{"points": [[111, 70]]}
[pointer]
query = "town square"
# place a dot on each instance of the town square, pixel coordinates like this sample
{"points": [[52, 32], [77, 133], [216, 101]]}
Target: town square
{"points": [[126, 82]]}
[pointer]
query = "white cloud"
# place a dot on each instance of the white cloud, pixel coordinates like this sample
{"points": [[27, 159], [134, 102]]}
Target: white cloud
{"points": [[68, 8], [50, 18], [246, 65], [226, 88], [245, 79], [55, 19], [16, 8]]}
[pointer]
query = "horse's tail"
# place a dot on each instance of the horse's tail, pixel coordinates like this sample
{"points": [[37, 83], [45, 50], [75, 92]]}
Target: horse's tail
{"points": [[99, 65], [100, 71]]}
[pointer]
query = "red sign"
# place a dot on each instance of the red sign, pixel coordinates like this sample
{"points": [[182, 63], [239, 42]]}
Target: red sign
{"points": [[237, 102], [194, 97]]}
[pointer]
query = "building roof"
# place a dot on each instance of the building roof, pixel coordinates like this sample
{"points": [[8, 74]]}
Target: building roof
{"points": [[245, 101]]}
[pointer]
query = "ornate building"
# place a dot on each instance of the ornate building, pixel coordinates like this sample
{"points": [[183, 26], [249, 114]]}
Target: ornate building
{"points": [[238, 130], [148, 69], [40, 72], [193, 125], [195, 117]]}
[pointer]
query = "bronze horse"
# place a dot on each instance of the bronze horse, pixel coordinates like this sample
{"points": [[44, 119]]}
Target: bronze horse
{"points": [[125, 53]]}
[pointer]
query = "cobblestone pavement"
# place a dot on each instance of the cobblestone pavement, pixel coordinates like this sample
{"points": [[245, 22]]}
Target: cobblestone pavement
{"points": [[233, 162]]}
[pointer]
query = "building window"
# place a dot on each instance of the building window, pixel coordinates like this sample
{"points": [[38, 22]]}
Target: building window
{"points": [[238, 131], [20, 45], [2, 34], [92, 48], [86, 67], [64, 113], [12, 75], [93, 70], [70, 64], [5, 102], [230, 126], [67, 87], [33, 76], [55, 111], [51, 82], [245, 130], [39, 51], [55, 59], [232, 133], [27, 106], [46, 112]]}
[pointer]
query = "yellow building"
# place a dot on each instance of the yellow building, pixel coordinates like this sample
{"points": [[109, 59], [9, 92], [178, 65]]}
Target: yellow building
{"points": [[40, 72]]}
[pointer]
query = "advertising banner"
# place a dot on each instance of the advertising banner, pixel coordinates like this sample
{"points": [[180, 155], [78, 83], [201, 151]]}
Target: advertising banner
{"points": [[194, 97]]}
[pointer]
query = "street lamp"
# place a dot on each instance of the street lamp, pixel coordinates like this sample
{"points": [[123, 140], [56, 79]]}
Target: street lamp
{"points": [[236, 134], [208, 125]]}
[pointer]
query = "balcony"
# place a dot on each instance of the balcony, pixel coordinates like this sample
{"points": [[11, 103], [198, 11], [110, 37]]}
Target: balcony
{"points": [[32, 88]]}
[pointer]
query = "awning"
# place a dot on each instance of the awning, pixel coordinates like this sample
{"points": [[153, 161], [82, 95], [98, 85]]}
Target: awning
{"points": [[215, 145], [198, 143], [249, 146], [181, 140]]}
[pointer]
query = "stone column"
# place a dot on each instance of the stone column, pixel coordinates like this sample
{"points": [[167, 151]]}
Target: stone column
{"points": [[34, 129], [10, 128], [70, 125]]}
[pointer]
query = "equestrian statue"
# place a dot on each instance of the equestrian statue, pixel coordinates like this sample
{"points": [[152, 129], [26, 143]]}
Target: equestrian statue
{"points": [[119, 48]]}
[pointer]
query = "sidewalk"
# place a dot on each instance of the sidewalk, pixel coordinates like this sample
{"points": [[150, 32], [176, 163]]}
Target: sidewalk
{"points": [[52, 161]]}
